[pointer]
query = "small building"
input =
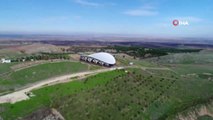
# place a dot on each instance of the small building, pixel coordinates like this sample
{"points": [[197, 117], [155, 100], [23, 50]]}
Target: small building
{"points": [[3, 60]]}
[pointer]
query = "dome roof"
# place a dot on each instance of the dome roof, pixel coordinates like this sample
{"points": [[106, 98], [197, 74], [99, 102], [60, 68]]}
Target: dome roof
{"points": [[104, 57]]}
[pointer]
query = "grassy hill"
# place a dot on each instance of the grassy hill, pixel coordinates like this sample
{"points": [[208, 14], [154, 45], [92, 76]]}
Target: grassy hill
{"points": [[16, 79], [139, 94], [205, 118], [186, 58], [5, 68], [130, 94], [45, 96]]}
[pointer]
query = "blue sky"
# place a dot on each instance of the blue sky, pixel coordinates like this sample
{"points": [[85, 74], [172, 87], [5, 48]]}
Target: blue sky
{"points": [[143, 17]]}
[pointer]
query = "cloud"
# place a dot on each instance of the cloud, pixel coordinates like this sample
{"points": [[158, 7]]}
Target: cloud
{"points": [[143, 11], [88, 3], [188, 18]]}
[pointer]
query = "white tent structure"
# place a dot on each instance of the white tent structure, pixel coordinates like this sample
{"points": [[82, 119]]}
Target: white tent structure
{"points": [[102, 58], [5, 61]]}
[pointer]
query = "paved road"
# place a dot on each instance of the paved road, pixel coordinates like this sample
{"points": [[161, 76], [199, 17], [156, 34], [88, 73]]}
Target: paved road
{"points": [[21, 94]]}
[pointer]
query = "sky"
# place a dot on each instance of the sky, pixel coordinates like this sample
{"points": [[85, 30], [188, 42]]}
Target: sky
{"points": [[139, 17]]}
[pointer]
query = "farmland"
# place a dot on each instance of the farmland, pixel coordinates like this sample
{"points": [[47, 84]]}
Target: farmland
{"points": [[203, 57], [17, 79], [106, 60], [45, 96], [27, 49], [144, 52], [4, 68], [152, 88], [136, 94]]}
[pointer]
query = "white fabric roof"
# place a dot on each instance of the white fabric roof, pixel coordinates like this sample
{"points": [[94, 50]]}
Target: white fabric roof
{"points": [[105, 57]]}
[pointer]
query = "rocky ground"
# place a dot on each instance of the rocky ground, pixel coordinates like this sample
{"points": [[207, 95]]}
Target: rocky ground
{"points": [[45, 114]]}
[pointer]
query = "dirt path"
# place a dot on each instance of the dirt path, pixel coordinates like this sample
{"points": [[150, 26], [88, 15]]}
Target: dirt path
{"points": [[21, 94], [193, 114], [25, 65]]}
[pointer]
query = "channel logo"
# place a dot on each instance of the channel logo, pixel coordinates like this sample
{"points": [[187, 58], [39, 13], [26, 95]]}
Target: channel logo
{"points": [[180, 23]]}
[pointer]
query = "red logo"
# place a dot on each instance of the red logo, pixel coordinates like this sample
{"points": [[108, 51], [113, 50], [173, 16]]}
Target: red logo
{"points": [[175, 22]]}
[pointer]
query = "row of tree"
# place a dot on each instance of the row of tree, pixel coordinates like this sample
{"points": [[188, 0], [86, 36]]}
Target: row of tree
{"points": [[150, 52], [43, 56]]}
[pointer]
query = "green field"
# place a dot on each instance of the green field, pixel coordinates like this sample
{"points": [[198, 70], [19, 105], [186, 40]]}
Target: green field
{"points": [[37, 73], [135, 95], [124, 60], [205, 57], [151, 94], [45, 96], [205, 118], [5, 68]]}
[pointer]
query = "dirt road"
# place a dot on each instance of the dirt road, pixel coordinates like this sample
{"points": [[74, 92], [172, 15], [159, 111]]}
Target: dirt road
{"points": [[21, 94]]}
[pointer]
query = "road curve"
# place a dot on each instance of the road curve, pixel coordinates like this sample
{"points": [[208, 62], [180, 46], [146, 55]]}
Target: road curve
{"points": [[21, 94]]}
